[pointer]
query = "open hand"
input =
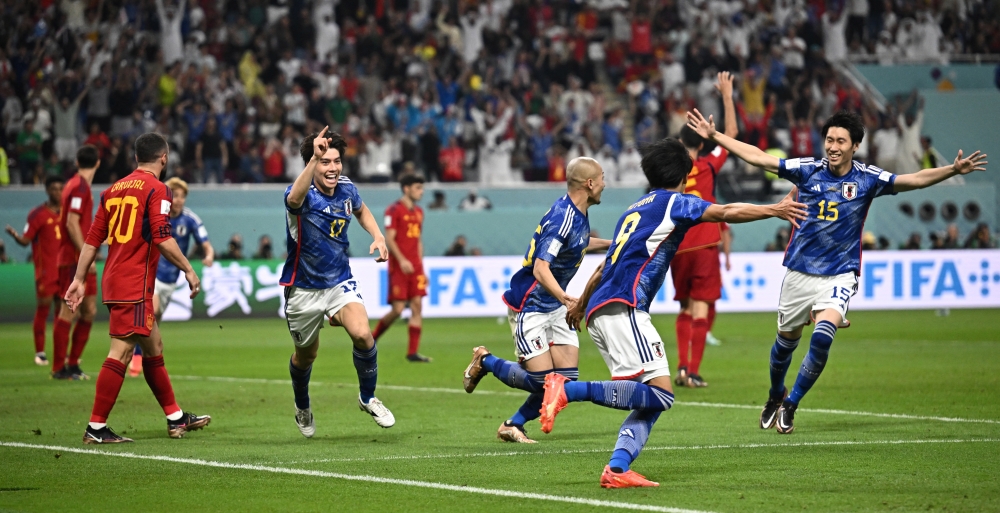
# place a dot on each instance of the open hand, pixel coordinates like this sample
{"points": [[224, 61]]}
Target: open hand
{"points": [[974, 162], [701, 126], [724, 84], [575, 315], [791, 210]]}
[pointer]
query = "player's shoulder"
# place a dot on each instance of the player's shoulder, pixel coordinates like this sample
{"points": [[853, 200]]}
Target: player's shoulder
{"points": [[346, 183], [188, 213], [872, 172], [37, 212]]}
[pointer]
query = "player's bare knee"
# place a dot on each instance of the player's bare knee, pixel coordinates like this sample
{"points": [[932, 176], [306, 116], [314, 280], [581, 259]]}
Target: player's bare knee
{"points": [[661, 382], [791, 335]]}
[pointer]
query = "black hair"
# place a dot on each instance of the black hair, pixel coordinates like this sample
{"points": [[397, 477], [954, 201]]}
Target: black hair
{"points": [[690, 138], [87, 156], [665, 163], [850, 121], [337, 142], [53, 179], [408, 180], [149, 147]]}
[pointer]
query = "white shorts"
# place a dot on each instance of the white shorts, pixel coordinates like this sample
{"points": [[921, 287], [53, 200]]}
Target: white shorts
{"points": [[163, 291], [535, 332], [307, 310], [628, 342], [802, 294]]}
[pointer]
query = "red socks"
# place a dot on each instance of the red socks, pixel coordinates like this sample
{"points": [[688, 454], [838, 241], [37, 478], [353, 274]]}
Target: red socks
{"points": [[683, 339], [711, 316], [81, 333], [699, 328], [41, 315], [60, 343], [414, 340], [159, 383], [379, 329], [109, 383]]}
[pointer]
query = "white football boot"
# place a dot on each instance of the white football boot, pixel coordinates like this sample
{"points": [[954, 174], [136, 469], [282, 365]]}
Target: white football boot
{"points": [[304, 419], [383, 417]]}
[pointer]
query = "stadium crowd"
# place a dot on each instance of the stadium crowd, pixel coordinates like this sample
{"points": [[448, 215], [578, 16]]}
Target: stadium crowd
{"points": [[495, 91]]}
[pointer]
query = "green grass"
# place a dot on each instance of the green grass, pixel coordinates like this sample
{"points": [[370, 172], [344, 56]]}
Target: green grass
{"points": [[912, 363]]}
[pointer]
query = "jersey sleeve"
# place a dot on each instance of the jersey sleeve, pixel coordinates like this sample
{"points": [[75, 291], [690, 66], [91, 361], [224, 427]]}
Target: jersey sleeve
{"points": [[32, 226], [716, 158], [554, 235], [882, 184], [198, 229], [159, 213], [688, 210], [796, 170], [77, 201], [99, 228], [295, 211], [355, 198], [390, 218]]}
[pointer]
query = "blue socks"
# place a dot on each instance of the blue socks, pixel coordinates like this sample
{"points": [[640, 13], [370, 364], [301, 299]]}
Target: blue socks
{"points": [[300, 384], [815, 360], [781, 358], [366, 363], [621, 395], [513, 375], [632, 438], [530, 410]]}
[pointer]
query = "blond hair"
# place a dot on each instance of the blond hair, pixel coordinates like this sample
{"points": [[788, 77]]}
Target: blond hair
{"points": [[177, 183]]}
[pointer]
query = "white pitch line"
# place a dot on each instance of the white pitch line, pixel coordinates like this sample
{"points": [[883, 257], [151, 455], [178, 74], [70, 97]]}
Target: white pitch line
{"points": [[363, 478], [521, 394], [646, 449]]}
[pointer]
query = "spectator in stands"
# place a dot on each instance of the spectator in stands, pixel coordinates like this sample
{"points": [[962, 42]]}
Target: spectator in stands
{"points": [[439, 202], [265, 250], [29, 152], [476, 251], [780, 241], [951, 237], [886, 144], [234, 250], [211, 153], [913, 242], [474, 202], [868, 241], [908, 156], [980, 238], [457, 248]]}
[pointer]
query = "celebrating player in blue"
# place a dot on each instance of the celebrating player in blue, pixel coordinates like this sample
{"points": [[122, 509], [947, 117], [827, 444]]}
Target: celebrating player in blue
{"points": [[543, 342], [184, 226], [823, 257], [617, 300], [317, 274]]}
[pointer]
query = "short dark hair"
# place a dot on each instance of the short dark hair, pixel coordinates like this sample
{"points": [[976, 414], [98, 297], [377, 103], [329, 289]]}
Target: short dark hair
{"points": [[690, 138], [408, 180], [850, 121], [53, 179], [337, 142], [149, 147], [665, 163], [87, 156]]}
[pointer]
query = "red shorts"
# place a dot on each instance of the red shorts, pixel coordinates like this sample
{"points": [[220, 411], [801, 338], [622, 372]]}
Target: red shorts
{"points": [[402, 286], [47, 285], [131, 318], [66, 274], [696, 275]]}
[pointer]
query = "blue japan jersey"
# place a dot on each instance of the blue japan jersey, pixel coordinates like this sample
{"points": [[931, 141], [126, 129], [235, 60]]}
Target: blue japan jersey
{"points": [[316, 237], [648, 235], [828, 241], [561, 239], [183, 227]]}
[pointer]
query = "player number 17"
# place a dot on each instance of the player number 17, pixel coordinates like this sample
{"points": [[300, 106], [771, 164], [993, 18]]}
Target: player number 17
{"points": [[336, 227]]}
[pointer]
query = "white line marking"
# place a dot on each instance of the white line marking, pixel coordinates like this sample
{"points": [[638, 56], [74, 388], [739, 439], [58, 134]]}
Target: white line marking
{"points": [[364, 478], [522, 394], [646, 449]]}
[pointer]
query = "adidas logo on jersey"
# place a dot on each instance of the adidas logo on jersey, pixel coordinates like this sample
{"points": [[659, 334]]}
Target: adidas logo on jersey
{"points": [[816, 188], [327, 210]]}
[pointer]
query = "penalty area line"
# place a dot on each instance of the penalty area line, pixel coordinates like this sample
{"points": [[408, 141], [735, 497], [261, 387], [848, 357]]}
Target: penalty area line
{"points": [[362, 478], [522, 394]]}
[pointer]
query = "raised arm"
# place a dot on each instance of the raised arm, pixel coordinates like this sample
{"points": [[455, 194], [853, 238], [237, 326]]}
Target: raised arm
{"points": [[575, 315], [788, 209], [300, 187], [929, 177], [725, 86], [746, 152], [367, 221]]}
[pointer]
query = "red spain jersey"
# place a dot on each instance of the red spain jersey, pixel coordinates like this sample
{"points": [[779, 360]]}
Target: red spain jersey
{"points": [[701, 183], [46, 236], [408, 225], [76, 198], [132, 218]]}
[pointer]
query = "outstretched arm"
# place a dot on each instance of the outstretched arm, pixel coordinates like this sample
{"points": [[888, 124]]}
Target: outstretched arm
{"points": [[929, 177], [575, 314], [598, 244], [788, 209], [750, 154], [368, 222], [20, 239]]}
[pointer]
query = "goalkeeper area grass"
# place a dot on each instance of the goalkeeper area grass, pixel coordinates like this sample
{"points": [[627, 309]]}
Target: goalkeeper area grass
{"points": [[905, 417]]}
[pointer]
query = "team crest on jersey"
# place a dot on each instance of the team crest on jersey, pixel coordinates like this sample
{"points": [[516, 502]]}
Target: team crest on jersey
{"points": [[657, 349], [538, 343], [182, 230], [849, 190], [347, 207], [149, 321]]}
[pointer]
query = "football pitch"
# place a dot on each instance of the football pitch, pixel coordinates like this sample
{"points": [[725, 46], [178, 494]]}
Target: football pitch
{"points": [[906, 417]]}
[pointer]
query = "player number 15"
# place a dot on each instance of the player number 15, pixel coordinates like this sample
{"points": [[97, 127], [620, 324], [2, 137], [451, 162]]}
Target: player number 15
{"points": [[831, 210]]}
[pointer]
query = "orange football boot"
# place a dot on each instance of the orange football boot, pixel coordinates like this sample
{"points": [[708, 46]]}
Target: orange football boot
{"points": [[554, 400], [629, 479]]}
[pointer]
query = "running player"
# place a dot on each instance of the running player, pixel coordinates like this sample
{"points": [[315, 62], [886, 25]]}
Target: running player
{"points": [[132, 220], [404, 222], [44, 235], [616, 300], [184, 225], [75, 217], [317, 274], [543, 342], [695, 267], [823, 257]]}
